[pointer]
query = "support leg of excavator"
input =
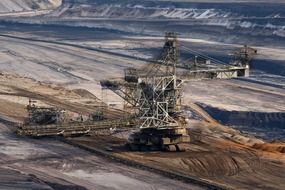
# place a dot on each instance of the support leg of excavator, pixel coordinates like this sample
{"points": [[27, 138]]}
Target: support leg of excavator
{"points": [[170, 139]]}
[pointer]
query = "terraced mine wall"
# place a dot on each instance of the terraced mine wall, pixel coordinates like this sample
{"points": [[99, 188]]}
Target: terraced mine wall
{"points": [[256, 23], [270, 125]]}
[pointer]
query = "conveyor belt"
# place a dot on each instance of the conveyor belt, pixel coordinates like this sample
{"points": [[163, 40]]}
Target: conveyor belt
{"points": [[70, 129]]}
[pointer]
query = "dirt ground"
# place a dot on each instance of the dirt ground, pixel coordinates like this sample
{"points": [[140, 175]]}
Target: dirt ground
{"points": [[232, 159], [48, 163], [68, 77], [216, 153]]}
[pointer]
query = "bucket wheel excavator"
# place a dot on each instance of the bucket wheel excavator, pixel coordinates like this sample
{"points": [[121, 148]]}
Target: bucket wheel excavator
{"points": [[152, 96], [153, 93]]}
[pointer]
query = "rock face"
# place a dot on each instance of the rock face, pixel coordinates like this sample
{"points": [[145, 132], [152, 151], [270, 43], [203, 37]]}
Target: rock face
{"points": [[216, 20], [269, 125], [7, 6]]}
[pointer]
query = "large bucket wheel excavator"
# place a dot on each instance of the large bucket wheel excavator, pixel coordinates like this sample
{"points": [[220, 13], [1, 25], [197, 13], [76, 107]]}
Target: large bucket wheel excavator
{"points": [[154, 94]]}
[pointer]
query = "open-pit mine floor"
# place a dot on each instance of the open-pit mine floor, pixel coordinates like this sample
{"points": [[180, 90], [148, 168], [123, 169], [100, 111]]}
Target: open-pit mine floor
{"points": [[217, 155], [62, 67], [215, 160]]}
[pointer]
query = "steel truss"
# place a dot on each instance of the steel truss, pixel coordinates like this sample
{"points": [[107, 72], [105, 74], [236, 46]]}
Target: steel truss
{"points": [[153, 92]]}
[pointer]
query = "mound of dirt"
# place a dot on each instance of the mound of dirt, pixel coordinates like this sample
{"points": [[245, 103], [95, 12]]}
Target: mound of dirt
{"points": [[276, 147]]}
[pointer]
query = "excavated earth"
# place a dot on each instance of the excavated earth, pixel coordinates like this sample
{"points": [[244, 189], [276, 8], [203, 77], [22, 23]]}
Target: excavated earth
{"points": [[61, 66], [216, 154], [49, 163]]}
